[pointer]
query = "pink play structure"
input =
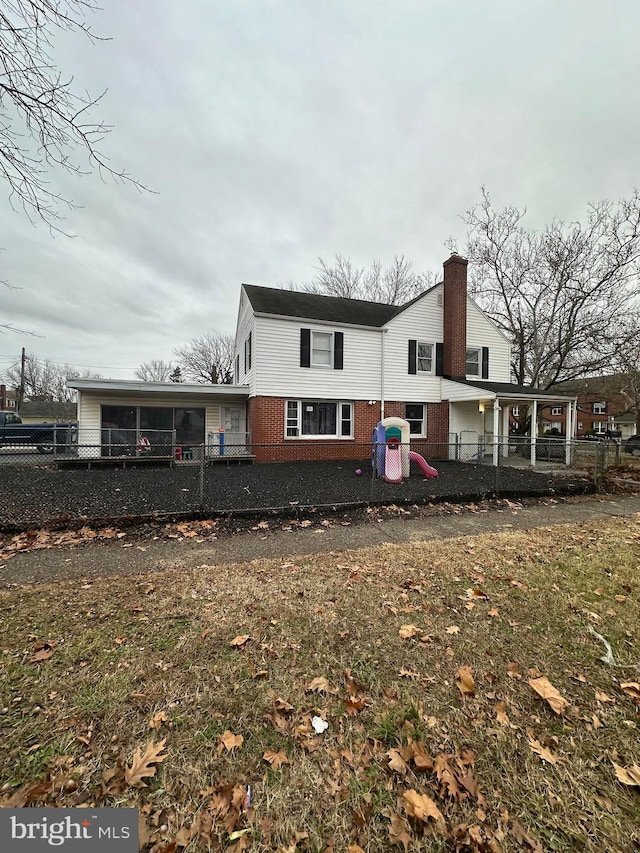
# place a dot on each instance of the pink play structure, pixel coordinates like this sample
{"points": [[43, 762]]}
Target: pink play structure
{"points": [[392, 457]]}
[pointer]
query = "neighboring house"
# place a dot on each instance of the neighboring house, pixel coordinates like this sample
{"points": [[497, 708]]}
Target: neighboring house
{"points": [[115, 414], [604, 403], [8, 399], [322, 371], [43, 411]]}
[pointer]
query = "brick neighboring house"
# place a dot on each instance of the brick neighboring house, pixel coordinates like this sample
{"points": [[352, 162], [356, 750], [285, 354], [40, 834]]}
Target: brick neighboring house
{"points": [[604, 402], [8, 399], [322, 371]]}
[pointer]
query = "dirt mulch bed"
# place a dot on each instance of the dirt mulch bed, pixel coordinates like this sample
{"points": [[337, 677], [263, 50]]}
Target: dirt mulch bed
{"points": [[46, 495]]}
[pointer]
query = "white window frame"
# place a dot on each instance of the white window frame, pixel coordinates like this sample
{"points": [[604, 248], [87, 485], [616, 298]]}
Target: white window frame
{"points": [[599, 427], [579, 424], [599, 408], [556, 410], [423, 420], [313, 363], [294, 422], [477, 350], [515, 411], [430, 358]]}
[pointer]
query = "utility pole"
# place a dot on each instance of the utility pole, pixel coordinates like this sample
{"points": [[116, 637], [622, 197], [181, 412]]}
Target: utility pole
{"points": [[21, 390]]}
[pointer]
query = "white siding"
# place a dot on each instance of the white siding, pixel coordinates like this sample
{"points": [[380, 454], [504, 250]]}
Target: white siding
{"points": [[278, 371], [481, 332], [459, 391], [246, 325], [422, 322], [464, 416]]}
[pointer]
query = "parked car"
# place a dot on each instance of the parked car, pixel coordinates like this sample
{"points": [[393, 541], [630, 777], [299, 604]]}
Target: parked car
{"points": [[47, 437], [633, 445]]}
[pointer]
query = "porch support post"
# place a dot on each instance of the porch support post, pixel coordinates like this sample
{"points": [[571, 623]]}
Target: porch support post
{"points": [[569, 435], [496, 430], [534, 430], [505, 431]]}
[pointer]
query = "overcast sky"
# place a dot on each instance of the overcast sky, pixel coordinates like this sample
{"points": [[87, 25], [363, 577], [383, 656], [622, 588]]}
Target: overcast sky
{"points": [[277, 131]]}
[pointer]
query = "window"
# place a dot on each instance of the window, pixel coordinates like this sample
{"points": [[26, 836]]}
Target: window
{"points": [[321, 349], [599, 408], [580, 425], [425, 357], [515, 411], [247, 354], [414, 413], [318, 419], [12, 419], [599, 426], [473, 361], [556, 410]]}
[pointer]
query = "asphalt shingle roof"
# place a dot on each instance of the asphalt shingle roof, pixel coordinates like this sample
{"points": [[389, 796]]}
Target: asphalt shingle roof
{"points": [[504, 389], [312, 306]]}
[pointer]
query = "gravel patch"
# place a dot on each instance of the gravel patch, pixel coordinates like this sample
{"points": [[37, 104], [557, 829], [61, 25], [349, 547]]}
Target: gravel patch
{"points": [[38, 495]]}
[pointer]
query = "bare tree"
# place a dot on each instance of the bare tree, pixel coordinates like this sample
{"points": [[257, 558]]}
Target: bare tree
{"points": [[46, 380], [207, 359], [44, 119], [562, 294], [155, 371], [394, 285]]}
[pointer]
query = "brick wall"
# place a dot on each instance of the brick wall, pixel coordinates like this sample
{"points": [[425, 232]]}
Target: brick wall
{"points": [[455, 317], [266, 424]]}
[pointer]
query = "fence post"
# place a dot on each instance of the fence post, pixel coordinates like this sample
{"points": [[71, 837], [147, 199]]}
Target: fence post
{"points": [[201, 477]]}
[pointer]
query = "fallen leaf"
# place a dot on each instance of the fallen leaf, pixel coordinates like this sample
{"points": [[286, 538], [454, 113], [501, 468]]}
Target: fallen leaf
{"points": [[631, 688], [501, 714], [422, 807], [452, 629], [628, 775], [320, 685], [397, 762], [465, 682], [240, 640], [604, 697], [398, 832], [276, 759], [546, 690], [513, 670], [229, 741], [406, 632], [142, 763], [157, 720], [544, 753]]}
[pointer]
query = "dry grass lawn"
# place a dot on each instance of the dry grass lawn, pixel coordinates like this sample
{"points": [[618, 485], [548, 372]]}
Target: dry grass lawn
{"points": [[419, 658]]}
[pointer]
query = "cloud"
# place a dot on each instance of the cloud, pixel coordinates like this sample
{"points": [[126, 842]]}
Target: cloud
{"points": [[276, 132]]}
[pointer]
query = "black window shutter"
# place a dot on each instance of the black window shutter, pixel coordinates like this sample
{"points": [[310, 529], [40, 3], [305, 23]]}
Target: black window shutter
{"points": [[413, 356], [250, 350], [338, 350], [485, 362], [305, 347], [439, 359]]}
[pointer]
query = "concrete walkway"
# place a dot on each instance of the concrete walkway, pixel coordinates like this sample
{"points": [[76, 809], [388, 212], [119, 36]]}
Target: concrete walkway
{"points": [[110, 558]]}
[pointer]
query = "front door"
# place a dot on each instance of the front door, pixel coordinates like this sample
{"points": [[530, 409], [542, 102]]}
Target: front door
{"points": [[233, 420]]}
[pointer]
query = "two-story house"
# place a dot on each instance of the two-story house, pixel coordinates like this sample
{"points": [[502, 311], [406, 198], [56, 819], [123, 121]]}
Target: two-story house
{"points": [[322, 371]]}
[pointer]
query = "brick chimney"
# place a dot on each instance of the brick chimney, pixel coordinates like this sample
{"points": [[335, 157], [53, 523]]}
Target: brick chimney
{"points": [[3, 397], [455, 317]]}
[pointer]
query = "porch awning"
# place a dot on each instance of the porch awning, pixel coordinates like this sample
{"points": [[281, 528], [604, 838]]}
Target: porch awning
{"points": [[457, 390]]}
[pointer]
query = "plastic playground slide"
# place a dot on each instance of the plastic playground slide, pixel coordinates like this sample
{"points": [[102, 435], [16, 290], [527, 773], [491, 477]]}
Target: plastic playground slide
{"points": [[422, 463]]}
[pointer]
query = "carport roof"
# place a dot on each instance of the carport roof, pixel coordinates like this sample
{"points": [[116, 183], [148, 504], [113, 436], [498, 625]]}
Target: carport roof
{"points": [[104, 386]]}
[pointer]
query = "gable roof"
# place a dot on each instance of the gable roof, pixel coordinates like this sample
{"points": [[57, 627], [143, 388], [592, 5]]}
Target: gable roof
{"points": [[313, 306]]}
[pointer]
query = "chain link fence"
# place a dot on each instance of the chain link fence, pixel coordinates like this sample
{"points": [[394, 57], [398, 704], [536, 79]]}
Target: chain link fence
{"points": [[123, 476]]}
